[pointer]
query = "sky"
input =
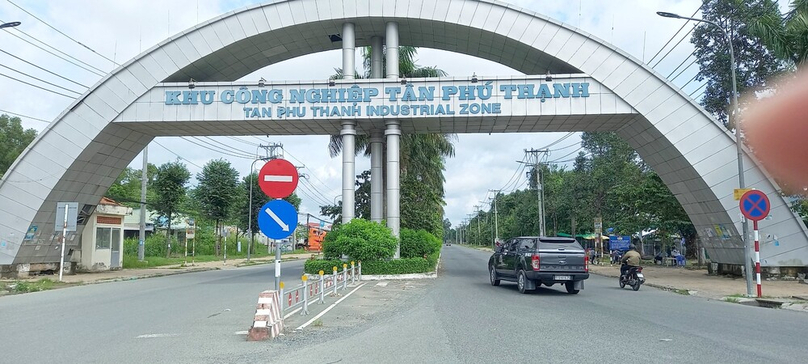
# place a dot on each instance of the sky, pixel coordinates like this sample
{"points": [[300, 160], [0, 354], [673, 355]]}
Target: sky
{"points": [[117, 31]]}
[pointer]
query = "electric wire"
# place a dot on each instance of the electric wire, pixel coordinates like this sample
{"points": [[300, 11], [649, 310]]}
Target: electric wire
{"points": [[45, 69], [671, 38], [39, 87], [24, 116], [98, 73], [178, 156], [60, 32], [212, 149], [40, 80]]}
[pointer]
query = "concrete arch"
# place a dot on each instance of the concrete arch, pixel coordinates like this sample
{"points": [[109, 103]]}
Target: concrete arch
{"points": [[81, 153]]}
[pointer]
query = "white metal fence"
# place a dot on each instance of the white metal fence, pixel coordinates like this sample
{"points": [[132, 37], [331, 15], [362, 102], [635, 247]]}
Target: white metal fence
{"points": [[313, 288]]}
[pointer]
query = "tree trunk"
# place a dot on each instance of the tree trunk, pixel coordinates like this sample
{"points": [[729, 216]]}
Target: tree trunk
{"points": [[168, 238]]}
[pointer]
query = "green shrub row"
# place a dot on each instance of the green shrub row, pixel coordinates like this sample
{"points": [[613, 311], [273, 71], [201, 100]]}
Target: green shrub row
{"points": [[393, 266], [360, 240], [314, 266], [418, 244]]}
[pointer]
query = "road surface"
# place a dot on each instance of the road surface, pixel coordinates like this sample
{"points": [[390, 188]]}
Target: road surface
{"points": [[458, 318]]}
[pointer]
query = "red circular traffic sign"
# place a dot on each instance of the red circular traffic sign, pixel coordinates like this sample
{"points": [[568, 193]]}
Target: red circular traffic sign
{"points": [[755, 205], [278, 178]]}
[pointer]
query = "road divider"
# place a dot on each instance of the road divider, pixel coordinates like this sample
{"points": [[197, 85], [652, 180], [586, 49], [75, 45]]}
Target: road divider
{"points": [[268, 322]]}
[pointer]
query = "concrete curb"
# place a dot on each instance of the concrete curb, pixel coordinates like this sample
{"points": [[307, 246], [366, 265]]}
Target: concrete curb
{"points": [[390, 277], [155, 275]]}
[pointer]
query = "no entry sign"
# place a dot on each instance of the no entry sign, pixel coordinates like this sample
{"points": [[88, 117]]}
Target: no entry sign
{"points": [[278, 178], [755, 205]]}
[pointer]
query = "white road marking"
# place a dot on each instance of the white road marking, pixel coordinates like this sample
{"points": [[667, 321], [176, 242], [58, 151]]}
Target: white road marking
{"points": [[286, 316], [381, 284], [277, 178], [245, 332], [301, 327], [151, 336], [277, 219]]}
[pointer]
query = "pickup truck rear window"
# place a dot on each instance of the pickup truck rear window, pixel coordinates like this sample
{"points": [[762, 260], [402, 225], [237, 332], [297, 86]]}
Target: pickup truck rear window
{"points": [[560, 244]]}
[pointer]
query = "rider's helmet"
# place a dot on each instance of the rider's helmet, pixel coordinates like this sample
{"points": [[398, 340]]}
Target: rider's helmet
{"points": [[632, 247]]}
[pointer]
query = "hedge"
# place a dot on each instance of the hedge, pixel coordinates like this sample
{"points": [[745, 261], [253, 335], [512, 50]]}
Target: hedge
{"points": [[360, 240], [417, 244], [396, 266]]}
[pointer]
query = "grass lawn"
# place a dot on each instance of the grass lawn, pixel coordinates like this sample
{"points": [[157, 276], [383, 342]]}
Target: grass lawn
{"points": [[131, 262]]}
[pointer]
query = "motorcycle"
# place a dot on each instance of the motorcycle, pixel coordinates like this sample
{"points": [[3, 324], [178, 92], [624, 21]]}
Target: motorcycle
{"points": [[633, 278]]}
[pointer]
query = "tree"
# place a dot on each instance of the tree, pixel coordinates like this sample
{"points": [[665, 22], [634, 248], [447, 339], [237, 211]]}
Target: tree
{"points": [[126, 189], [14, 140], [785, 36], [754, 62], [216, 192], [421, 155], [170, 192]]}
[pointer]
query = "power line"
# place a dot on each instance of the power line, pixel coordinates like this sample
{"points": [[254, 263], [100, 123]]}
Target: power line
{"points": [[244, 141], [212, 149], [568, 154], [680, 65], [697, 90], [674, 47], [24, 116], [178, 156], [44, 69], [39, 87], [60, 32], [671, 38], [41, 80], [229, 148], [100, 73], [518, 170], [569, 146], [559, 140]]}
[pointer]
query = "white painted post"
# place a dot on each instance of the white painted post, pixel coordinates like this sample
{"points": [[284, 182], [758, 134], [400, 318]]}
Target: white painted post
{"points": [[322, 288], [305, 310], [353, 273], [282, 298], [62, 251], [344, 276], [335, 280]]}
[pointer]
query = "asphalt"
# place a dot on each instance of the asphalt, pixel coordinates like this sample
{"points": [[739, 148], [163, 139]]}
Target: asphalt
{"points": [[457, 318]]}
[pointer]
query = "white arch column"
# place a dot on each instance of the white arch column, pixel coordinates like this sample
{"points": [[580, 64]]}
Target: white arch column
{"points": [[348, 131], [376, 138], [393, 134]]}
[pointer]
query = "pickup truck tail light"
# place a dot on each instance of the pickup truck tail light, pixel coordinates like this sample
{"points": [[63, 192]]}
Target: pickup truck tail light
{"points": [[536, 262], [586, 264]]}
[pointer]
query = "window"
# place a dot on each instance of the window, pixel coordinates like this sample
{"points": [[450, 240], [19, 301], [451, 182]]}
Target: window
{"points": [[103, 237], [527, 244]]}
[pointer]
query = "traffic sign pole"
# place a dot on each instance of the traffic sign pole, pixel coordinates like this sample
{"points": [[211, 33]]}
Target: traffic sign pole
{"points": [[62, 251], [755, 206], [757, 258]]}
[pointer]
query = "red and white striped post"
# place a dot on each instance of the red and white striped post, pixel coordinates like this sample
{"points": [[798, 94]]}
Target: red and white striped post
{"points": [[757, 257]]}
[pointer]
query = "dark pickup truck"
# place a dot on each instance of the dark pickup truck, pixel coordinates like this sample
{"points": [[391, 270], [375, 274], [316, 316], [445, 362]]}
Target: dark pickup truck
{"points": [[531, 261]]}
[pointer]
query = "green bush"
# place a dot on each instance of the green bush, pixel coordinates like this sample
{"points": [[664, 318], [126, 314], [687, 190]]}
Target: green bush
{"points": [[155, 246], [401, 266], [360, 240], [314, 266], [417, 244]]}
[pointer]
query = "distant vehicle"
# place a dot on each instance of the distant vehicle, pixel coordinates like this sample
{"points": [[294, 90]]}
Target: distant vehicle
{"points": [[532, 261], [447, 243], [634, 278]]}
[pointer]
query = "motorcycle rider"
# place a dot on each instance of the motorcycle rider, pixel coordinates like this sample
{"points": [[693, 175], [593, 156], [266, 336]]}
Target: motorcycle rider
{"points": [[629, 260]]}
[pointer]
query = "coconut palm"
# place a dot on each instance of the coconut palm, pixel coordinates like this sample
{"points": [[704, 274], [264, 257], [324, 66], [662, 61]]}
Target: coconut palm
{"points": [[786, 37], [422, 155]]}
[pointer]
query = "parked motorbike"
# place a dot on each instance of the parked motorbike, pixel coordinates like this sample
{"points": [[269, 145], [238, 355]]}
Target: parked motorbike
{"points": [[634, 278]]}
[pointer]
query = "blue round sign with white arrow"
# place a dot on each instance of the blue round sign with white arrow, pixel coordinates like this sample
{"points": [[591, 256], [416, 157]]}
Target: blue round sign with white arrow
{"points": [[277, 219]]}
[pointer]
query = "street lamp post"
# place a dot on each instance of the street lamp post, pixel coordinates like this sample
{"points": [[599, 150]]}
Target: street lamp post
{"points": [[10, 24], [738, 142], [249, 220]]}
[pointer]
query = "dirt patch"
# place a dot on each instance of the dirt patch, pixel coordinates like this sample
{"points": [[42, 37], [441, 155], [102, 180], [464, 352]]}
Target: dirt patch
{"points": [[699, 283]]}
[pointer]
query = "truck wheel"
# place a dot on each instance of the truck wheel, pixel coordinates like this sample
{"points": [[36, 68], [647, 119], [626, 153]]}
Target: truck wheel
{"points": [[493, 275], [521, 281], [571, 288]]}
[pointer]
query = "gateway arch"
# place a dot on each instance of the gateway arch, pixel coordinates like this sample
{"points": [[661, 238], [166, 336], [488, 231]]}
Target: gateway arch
{"points": [[595, 87]]}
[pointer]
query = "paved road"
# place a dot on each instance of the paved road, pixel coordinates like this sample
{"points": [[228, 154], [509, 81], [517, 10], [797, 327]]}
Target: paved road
{"points": [[180, 318], [458, 318], [463, 319]]}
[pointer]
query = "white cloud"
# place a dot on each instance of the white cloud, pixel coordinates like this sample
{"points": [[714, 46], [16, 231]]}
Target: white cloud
{"points": [[123, 29]]}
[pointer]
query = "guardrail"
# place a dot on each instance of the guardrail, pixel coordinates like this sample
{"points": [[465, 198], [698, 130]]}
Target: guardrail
{"points": [[315, 289]]}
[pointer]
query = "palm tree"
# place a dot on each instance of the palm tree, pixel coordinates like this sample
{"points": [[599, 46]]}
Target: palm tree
{"points": [[422, 155], [786, 37]]}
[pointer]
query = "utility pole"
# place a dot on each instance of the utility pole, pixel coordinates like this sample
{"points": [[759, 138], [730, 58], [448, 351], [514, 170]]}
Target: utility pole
{"points": [[496, 218], [141, 247], [268, 150], [479, 234], [535, 158]]}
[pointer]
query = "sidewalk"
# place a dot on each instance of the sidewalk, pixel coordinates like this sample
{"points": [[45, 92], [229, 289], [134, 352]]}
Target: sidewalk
{"points": [[698, 283], [129, 274]]}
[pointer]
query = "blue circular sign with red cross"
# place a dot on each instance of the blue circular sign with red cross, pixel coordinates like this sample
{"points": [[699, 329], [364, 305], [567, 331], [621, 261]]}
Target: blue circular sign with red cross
{"points": [[755, 205]]}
